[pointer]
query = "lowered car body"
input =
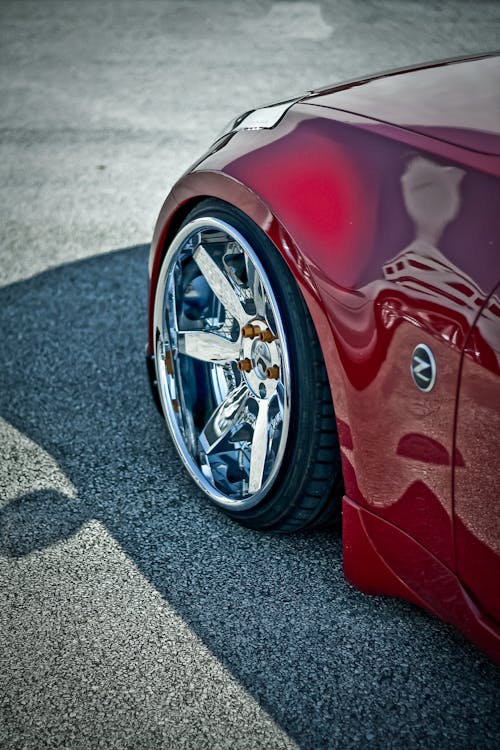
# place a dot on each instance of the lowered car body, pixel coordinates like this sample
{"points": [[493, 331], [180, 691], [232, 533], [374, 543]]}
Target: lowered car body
{"points": [[381, 196]]}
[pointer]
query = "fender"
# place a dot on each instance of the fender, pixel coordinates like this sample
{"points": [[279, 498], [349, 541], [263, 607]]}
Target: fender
{"points": [[192, 189]]}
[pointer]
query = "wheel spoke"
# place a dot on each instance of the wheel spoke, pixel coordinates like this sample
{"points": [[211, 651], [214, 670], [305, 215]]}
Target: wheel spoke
{"points": [[224, 418], [219, 284], [255, 286], [259, 447], [209, 347]]}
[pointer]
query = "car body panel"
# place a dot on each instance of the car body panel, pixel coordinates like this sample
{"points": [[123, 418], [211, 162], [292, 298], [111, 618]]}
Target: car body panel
{"points": [[393, 238], [477, 511], [457, 102]]}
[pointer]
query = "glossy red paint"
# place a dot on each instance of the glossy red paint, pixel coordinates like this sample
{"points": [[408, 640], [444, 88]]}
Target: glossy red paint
{"points": [[393, 237], [477, 515], [456, 102]]}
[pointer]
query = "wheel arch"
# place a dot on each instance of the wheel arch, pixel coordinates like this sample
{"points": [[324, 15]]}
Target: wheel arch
{"points": [[193, 189]]}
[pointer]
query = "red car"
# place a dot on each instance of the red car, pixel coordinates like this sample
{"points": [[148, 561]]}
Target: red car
{"points": [[324, 333]]}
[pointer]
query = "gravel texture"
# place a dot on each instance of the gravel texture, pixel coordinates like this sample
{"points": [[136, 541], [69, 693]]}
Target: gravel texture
{"points": [[132, 613]]}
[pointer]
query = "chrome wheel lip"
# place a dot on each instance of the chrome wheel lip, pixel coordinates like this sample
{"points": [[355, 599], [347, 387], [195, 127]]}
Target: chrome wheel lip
{"points": [[197, 225]]}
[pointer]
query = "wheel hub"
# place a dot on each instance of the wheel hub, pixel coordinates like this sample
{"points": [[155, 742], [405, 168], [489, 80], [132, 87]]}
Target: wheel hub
{"points": [[261, 358]]}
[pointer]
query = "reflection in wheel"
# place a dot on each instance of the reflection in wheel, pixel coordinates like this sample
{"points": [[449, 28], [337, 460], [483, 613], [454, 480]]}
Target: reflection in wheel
{"points": [[240, 375]]}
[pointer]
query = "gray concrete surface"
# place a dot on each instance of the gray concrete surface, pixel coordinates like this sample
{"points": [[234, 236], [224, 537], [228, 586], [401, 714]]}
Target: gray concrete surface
{"points": [[132, 614]]}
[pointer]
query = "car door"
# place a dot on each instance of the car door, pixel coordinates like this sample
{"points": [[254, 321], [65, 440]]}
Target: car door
{"points": [[477, 461]]}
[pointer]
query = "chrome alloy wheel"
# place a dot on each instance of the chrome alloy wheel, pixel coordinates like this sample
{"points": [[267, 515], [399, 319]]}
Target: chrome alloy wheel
{"points": [[222, 363]]}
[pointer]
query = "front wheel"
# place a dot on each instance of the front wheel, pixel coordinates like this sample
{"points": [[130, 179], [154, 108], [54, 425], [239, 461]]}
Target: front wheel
{"points": [[241, 378]]}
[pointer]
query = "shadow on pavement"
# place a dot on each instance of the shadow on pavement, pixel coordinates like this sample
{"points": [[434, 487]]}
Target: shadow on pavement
{"points": [[325, 661]]}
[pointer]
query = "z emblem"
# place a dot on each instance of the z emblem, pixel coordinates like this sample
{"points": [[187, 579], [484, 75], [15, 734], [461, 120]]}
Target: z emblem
{"points": [[423, 368]]}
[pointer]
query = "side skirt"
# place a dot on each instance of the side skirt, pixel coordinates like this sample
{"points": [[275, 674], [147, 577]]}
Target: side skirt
{"points": [[381, 559]]}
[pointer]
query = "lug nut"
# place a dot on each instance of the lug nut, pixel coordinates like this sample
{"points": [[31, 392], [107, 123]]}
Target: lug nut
{"points": [[244, 365], [273, 372], [249, 331], [267, 336]]}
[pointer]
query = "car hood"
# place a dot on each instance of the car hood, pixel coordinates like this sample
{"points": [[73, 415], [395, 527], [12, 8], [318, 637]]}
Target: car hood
{"points": [[456, 101]]}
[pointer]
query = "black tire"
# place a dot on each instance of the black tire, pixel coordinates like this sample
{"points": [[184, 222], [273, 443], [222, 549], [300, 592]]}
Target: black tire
{"points": [[307, 488]]}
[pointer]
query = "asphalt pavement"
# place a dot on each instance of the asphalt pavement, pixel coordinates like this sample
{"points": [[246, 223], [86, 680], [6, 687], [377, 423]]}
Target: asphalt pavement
{"points": [[132, 613]]}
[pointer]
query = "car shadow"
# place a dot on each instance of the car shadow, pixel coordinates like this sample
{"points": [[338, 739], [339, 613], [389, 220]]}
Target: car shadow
{"points": [[328, 663]]}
